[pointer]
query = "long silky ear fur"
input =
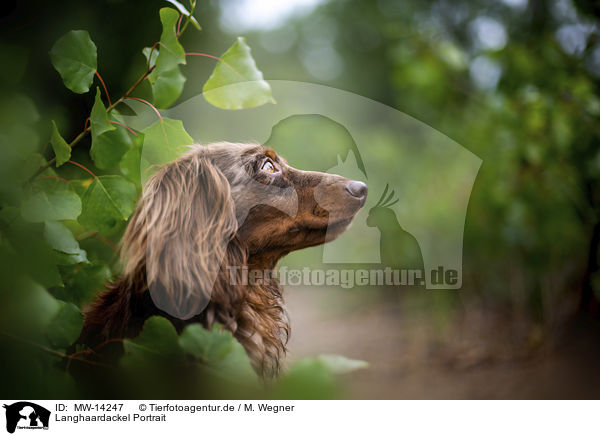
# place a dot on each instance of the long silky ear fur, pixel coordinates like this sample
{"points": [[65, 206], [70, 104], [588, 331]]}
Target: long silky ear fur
{"points": [[180, 231]]}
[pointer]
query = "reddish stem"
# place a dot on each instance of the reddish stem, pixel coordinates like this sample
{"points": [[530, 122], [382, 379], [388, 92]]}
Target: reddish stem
{"points": [[87, 120], [82, 167], [179, 25], [205, 55], [89, 351], [121, 124], [107, 242], [148, 103], [152, 51], [104, 86], [55, 178], [218, 59]]}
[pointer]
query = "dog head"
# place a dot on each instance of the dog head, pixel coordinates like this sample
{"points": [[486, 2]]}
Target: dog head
{"points": [[192, 208]]}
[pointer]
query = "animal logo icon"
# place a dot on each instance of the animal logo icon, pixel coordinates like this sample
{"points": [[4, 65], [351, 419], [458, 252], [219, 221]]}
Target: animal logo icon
{"points": [[398, 248], [26, 415]]}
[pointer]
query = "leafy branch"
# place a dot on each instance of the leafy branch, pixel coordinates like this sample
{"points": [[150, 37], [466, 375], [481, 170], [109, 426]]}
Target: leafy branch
{"points": [[74, 211]]}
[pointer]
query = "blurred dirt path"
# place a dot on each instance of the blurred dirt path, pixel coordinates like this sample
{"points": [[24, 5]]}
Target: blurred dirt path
{"points": [[407, 361]]}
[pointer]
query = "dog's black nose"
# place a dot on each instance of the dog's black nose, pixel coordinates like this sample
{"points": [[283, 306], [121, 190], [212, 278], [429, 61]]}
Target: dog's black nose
{"points": [[357, 189]]}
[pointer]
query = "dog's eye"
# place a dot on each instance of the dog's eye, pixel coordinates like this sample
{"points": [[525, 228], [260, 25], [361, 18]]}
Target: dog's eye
{"points": [[268, 167]]}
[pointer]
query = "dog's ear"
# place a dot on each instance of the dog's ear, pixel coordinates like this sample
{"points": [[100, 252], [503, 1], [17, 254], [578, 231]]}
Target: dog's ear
{"points": [[182, 227]]}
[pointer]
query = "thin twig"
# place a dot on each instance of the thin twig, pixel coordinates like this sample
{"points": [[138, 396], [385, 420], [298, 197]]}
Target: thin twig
{"points": [[149, 104], [51, 351], [130, 90], [128, 128], [179, 25], [62, 179], [82, 167], [85, 235], [88, 351], [104, 86], [218, 59], [108, 242]]}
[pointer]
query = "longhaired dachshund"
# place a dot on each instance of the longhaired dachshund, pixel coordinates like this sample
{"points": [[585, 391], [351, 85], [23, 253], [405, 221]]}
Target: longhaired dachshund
{"points": [[201, 221]]}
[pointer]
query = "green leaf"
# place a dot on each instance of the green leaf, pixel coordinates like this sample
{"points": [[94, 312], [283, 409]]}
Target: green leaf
{"points": [[99, 121], [151, 60], [108, 148], [131, 162], [70, 258], [55, 206], [65, 327], [166, 87], [157, 341], [82, 282], [206, 345], [170, 53], [166, 80], [60, 146], [107, 202], [164, 141], [341, 365], [60, 237], [80, 185], [236, 82], [307, 379], [74, 57], [219, 350]]}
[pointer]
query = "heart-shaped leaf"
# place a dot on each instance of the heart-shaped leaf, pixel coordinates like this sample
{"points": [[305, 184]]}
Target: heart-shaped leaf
{"points": [[108, 148], [166, 80], [60, 237], [99, 121], [164, 141], [74, 57], [131, 162], [62, 240], [157, 341], [170, 53], [218, 350], [107, 203], [166, 87], [83, 282], [55, 206], [236, 82], [60, 146]]}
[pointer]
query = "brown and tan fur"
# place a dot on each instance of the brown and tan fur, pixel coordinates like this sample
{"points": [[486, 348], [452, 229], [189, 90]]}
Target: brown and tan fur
{"points": [[215, 207]]}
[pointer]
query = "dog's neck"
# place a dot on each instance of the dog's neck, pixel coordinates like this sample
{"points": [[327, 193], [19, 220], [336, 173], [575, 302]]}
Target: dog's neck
{"points": [[253, 312], [265, 260]]}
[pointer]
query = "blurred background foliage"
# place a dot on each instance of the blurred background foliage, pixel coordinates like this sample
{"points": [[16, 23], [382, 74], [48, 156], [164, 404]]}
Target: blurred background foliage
{"points": [[513, 81]]}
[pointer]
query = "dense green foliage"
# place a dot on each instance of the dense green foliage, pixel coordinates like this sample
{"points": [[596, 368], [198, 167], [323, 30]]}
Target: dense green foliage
{"points": [[59, 231]]}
